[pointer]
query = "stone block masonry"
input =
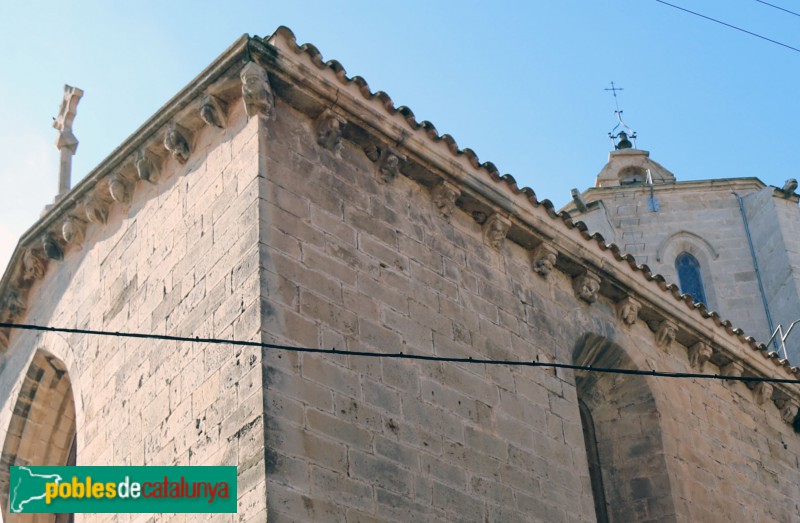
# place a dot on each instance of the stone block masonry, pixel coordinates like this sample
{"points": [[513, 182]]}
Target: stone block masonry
{"points": [[362, 439], [350, 438], [277, 200], [181, 258]]}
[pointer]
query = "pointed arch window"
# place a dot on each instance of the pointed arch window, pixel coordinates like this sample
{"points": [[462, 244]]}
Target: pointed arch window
{"points": [[690, 276], [42, 430], [627, 467], [593, 457]]}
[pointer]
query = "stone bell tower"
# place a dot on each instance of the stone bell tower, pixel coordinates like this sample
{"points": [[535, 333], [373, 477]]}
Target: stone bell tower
{"points": [[725, 241]]}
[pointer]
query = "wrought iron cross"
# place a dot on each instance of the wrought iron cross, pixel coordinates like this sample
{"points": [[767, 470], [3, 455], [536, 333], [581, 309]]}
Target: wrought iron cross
{"points": [[614, 90], [613, 135]]}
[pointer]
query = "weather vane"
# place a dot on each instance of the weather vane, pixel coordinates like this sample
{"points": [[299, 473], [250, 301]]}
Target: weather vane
{"points": [[621, 139]]}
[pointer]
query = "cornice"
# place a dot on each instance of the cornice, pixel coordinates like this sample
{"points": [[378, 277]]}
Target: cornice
{"points": [[346, 108], [719, 184], [593, 194], [579, 252], [124, 153]]}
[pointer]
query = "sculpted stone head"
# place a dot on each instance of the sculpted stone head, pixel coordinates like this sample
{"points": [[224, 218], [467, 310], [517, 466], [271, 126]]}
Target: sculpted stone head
{"points": [[496, 228], [628, 310], [587, 287], [329, 131], [444, 198], [256, 91], [33, 266], [177, 144], [665, 334], [699, 354], [544, 259], [390, 168]]}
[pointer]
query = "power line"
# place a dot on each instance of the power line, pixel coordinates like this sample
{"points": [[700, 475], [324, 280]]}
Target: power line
{"points": [[395, 355], [778, 7], [731, 26]]}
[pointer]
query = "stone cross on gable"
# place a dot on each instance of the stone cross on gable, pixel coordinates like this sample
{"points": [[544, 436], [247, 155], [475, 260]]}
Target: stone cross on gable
{"points": [[66, 142]]}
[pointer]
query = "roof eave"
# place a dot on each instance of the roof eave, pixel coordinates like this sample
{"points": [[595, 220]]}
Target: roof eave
{"points": [[229, 58]]}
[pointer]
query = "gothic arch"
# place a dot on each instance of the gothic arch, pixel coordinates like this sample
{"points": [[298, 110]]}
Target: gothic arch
{"points": [[685, 239], [700, 249], [42, 430], [626, 429], [690, 276]]}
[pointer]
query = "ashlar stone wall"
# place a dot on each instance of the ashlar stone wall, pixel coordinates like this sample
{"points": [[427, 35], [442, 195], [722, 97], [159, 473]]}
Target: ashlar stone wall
{"points": [[180, 258], [704, 219], [351, 262], [701, 218], [356, 260], [317, 215], [773, 224]]}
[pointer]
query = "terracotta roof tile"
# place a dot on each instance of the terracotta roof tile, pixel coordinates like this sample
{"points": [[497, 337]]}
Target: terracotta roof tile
{"points": [[489, 170]]}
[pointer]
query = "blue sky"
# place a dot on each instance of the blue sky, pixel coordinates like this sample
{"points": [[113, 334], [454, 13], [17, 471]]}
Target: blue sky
{"points": [[522, 84]]}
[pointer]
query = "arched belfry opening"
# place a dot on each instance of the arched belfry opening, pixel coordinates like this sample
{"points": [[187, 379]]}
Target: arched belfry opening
{"points": [[622, 432], [42, 428]]}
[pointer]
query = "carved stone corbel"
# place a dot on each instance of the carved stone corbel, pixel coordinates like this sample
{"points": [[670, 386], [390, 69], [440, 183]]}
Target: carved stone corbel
{"points": [[146, 166], [176, 141], [788, 409], [733, 369], [762, 391], [51, 248], [120, 188], [73, 230], [14, 303], [444, 198], [329, 130], [665, 334], [543, 259], [389, 165], [256, 91], [33, 267], [587, 286], [388, 161], [628, 310], [699, 354], [479, 217], [212, 111], [96, 209], [373, 152], [495, 230]]}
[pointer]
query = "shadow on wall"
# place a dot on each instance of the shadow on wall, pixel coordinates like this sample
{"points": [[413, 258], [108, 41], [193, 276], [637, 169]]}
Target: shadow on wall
{"points": [[622, 432]]}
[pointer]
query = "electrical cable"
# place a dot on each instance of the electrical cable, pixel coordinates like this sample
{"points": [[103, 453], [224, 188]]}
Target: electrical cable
{"points": [[397, 355], [778, 7], [731, 26]]}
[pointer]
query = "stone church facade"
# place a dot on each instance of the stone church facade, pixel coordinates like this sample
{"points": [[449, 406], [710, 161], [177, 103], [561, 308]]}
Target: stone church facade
{"points": [[277, 200], [738, 233]]}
